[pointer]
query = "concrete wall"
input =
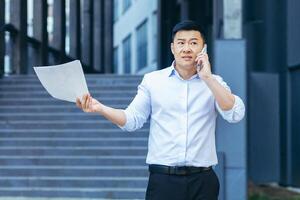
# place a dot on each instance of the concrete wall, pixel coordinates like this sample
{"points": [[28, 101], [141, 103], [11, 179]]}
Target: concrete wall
{"points": [[293, 32], [264, 128], [230, 63]]}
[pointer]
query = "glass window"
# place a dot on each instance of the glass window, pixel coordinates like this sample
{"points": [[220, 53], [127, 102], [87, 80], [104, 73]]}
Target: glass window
{"points": [[126, 5], [67, 36], [7, 9], [116, 54], [127, 54], [50, 22], [30, 17], [154, 32], [116, 10], [142, 45]]}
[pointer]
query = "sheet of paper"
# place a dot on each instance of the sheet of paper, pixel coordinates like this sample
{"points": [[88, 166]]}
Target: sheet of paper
{"points": [[64, 82]]}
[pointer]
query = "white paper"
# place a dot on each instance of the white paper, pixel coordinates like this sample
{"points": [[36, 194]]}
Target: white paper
{"points": [[64, 82]]}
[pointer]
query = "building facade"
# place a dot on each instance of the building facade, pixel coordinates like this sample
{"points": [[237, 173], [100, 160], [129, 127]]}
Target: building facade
{"points": [[253, 44], [135, 36]]}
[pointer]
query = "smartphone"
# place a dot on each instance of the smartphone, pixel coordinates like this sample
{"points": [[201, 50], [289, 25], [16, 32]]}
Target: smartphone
{"points": [[204, 50]]}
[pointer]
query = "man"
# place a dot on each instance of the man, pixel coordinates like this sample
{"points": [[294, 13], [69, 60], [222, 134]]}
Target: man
{"points": [[182, 103]]}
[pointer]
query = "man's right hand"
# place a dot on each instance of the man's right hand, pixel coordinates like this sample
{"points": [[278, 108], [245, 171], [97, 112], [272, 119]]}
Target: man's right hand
{"points": [[89, 104]]}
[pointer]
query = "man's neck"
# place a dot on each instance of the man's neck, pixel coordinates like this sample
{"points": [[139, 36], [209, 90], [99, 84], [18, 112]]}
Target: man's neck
{"points": [[185, 73]]}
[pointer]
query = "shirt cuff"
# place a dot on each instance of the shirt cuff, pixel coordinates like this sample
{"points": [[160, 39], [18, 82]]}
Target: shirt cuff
{"points": [[128, 123], [236, 113]]}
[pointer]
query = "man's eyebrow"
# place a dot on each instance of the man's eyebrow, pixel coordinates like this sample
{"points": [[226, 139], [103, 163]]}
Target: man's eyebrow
{"points": [[185, 39], [180, 39]]}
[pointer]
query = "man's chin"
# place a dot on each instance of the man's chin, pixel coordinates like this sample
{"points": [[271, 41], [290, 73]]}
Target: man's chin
{"points": [[187, 65]]}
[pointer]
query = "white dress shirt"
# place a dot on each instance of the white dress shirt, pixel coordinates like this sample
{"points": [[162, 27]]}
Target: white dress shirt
{"points": [[182, 118]]}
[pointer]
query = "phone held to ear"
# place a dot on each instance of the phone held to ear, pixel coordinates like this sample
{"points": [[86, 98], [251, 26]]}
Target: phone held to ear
{"points": [[204, 50]]}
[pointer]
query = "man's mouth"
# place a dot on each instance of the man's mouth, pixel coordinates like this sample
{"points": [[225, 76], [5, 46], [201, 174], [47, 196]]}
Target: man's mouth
{"points": [[187, 57]]}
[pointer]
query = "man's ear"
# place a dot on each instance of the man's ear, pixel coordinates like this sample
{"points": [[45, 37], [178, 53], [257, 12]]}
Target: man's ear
{"points": [[172, 48]]}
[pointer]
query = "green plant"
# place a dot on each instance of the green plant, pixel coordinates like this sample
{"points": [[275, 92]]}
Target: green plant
{"points": [[258, 197]]}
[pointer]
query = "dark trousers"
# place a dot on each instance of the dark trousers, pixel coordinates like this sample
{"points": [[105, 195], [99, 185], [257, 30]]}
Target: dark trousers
{"points": [[199, 186]]}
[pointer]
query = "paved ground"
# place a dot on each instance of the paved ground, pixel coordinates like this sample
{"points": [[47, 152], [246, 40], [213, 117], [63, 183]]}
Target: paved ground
{"points": [[39, 198], [272, 192]]}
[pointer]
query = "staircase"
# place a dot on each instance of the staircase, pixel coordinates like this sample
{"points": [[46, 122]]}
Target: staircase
{"points": [[50, 148]]}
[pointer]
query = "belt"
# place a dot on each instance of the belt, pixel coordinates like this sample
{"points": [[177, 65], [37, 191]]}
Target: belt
{"points": [[177, 170]]}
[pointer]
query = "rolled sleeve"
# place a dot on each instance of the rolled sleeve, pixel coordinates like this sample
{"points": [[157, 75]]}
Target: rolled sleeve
{"points": [[236, 113], [129, 121], [139, 109]]}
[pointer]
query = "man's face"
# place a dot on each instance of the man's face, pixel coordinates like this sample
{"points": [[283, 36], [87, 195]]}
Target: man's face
{"points": [[185, 47]]}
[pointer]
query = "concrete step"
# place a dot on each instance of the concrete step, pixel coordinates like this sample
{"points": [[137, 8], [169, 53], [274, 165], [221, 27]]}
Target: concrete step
{"points": [[71, 133], [75, 182], [95, 157], [50, 116], [45, 94], [87, 76], [73, 142], [99, 193], [67, 108], [90, 81], [48, 150], [53, 101], [92, 88], [59, 124], [72, 160], [63, 198], [76, 171]]}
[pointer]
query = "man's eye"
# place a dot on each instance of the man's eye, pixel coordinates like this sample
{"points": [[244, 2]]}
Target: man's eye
{"points": [[180, 43], [194, 43]]}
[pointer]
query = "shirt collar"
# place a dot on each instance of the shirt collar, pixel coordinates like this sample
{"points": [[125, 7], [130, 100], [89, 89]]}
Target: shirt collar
{"points": [[172, 71]]}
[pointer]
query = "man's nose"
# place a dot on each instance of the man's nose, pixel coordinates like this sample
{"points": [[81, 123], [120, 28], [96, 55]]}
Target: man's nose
{"points": [[186, 48]]}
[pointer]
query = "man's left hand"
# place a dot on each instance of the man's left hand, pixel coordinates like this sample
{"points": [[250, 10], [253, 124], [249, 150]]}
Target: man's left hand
{"points": [[203, 66]]}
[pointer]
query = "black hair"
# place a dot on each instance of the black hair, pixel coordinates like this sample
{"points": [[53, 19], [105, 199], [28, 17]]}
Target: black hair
{"points": [[188, 25]]}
